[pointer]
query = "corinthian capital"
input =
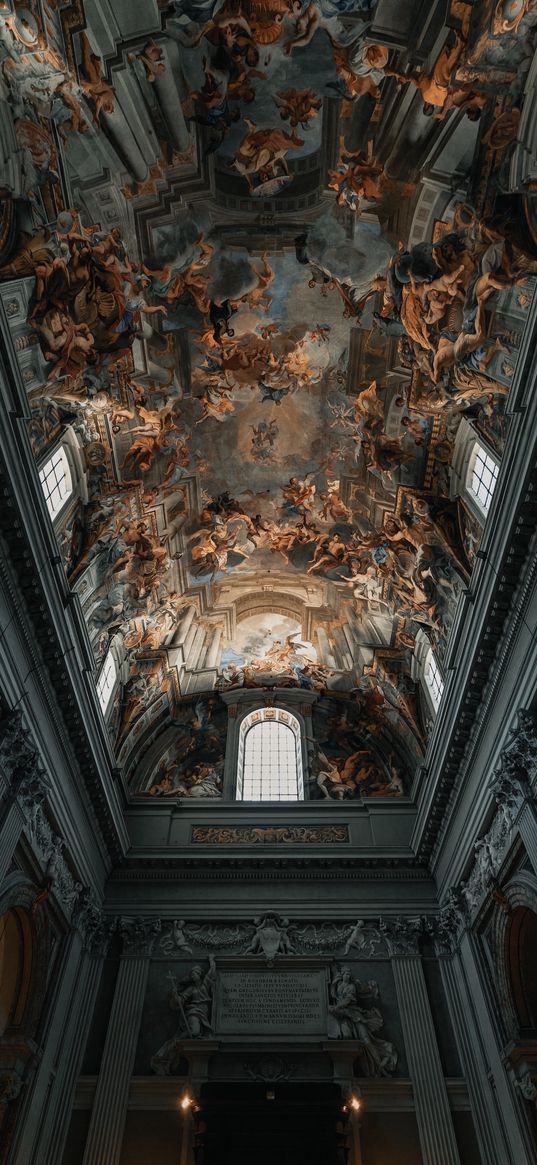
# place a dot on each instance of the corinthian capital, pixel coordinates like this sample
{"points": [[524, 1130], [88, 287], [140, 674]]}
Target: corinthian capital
{"points": [[402, 935], [139, 935]]}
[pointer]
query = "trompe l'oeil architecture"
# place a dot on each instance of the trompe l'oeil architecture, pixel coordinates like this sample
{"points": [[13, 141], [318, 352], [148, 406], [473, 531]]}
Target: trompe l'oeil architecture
{"points": [[268, 436]]}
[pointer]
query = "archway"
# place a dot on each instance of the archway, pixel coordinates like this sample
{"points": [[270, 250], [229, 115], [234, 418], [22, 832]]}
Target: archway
{"points": [[16, 967]]}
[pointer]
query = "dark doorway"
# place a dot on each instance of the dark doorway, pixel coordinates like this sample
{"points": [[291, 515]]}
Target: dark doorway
{"points": [[273, 1124], [521, 941]]}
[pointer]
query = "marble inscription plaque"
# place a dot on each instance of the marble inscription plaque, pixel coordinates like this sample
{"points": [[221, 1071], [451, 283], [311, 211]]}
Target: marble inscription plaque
{"points": [[271, 1002]]}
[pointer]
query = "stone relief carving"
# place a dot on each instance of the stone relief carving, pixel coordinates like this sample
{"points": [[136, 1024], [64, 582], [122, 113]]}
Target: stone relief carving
{"points": [[176, 939], [269, 1069], [88, 919], [366, 940], [270, 935], [528, 1087], [20, 761], [270, 938], [511, 784], [29, 784], [351, 1017], [402, 935], [270, 834], [193, 999]]}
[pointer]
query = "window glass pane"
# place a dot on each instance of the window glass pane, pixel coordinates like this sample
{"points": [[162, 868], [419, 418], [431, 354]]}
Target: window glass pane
{"points": [[56, 482], [106, 681], [269, 769], [482, 476], [433, 678]]}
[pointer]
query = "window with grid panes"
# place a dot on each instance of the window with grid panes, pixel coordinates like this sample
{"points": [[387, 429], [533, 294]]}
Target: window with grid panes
{"points": [[433, 678], [56, 481], [106, 681], [270, 761], [482, 476]]}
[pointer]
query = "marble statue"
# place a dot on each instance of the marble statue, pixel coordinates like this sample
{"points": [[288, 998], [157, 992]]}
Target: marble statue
{"points": [[349, 1020], [194, 1001]]}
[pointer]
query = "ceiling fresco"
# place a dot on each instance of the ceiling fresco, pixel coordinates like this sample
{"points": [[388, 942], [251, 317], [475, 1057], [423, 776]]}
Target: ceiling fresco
{"points": [[263, 263]]}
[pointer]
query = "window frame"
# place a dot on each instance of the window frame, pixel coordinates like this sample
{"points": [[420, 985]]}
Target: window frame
{"points": [[61, 450], [435, 688], [106, 688], [254, 718], [479, 451]]}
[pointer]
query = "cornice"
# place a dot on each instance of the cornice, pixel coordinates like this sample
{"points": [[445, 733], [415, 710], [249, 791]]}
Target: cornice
{"points": [[48, 618], [250, 869], [490, 617]]}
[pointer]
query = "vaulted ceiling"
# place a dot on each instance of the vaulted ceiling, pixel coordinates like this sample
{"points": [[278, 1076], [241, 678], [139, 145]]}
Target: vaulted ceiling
{"points": [[266, 265]]}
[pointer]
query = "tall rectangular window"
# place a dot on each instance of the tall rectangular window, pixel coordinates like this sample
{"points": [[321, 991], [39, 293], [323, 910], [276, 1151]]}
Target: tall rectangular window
{"points": [[56, 481], [482, 476], [270, 762], [433, 678], [106, 681]]}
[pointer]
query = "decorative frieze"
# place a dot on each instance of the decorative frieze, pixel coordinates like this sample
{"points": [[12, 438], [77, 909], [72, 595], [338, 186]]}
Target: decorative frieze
{"points": [[270, 834], [271, 936]]}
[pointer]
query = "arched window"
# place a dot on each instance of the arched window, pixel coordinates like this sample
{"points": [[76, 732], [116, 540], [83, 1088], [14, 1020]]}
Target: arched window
{"points": [[270, 757], [56, 481], [433, 678], [482, 476], [106, 681]]}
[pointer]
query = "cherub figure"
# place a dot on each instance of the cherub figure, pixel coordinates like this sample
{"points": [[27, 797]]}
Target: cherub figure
{"points": [[92, 81], [297, 106], [152, 58]]}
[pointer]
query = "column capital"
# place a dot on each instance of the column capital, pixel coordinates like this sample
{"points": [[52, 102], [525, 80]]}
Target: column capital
{"points": [[138, 935], [450, 923], [88, 919], [402, 936], [20, 761]]}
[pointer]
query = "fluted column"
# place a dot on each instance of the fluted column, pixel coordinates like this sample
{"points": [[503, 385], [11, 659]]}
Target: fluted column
{"points": [[437, 1135], [11, 825], [527, 828], [105, 1136]]}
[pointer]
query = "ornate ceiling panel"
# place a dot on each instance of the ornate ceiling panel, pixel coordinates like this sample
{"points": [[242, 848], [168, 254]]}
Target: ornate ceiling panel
{"points": [[266, 266]]}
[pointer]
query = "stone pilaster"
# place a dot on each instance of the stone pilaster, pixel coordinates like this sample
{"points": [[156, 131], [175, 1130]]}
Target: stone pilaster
{"points": [[469, 1042], [109, 1110], [65, 981], [437, 1135], [527, 828], [11, 825]]}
